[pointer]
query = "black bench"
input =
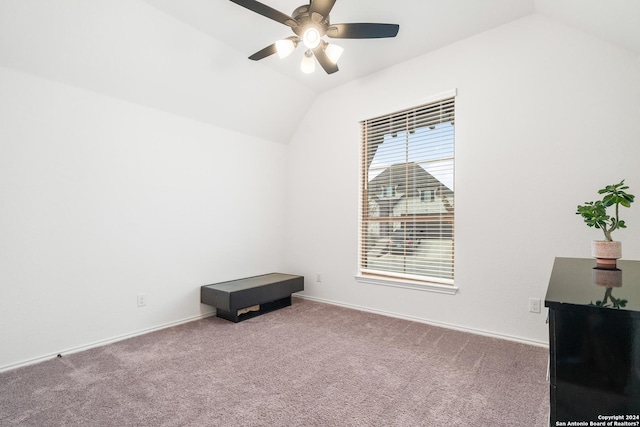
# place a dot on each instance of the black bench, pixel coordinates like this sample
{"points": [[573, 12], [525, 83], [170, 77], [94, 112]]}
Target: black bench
{"points": [[242, 299]]}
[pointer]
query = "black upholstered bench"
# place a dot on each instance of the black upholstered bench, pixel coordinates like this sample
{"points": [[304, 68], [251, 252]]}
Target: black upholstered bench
{"points": [[238, 300]]}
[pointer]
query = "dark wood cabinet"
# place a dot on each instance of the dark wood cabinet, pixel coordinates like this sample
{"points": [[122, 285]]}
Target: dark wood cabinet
{"points": [[594, 342]]}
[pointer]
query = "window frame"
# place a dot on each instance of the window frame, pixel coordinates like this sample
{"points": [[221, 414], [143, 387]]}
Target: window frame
{"points": [[377, 277]]}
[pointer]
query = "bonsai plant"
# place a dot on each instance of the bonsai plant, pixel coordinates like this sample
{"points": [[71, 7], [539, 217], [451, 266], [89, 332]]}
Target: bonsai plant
{"points": [[595, 215]]}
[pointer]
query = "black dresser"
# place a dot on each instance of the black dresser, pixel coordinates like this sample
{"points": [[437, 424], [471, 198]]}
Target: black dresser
{"points": [[594, 343]]}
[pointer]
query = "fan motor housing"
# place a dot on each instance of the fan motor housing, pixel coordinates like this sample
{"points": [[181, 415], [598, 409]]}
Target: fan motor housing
{"points": [[302, 17]]}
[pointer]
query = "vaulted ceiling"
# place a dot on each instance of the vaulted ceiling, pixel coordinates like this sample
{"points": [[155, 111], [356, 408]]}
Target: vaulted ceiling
{"points": [[189, 57], [425, 25]]}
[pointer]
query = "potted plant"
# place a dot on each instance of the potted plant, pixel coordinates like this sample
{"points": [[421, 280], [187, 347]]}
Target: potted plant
{"points": [[595, 215]]}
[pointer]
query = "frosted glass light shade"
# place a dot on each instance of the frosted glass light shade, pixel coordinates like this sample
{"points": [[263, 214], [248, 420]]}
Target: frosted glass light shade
{"points": [[284, 47], [333, 52], [311, 38], [308, 65]]}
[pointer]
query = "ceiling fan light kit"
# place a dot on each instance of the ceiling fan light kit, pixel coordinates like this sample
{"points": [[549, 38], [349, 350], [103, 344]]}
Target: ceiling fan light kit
{"points": [[310, 23], [311, 37], [334, 52], [285, 47], [308, 65]]}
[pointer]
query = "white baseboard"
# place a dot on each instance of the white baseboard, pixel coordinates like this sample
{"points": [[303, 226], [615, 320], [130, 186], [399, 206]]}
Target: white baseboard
{"points": [[326, 301], [103, 342], [428, 322]]}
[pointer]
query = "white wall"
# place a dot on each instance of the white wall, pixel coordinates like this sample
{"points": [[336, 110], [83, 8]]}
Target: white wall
{"points": [[545, 116], [102, 199]]}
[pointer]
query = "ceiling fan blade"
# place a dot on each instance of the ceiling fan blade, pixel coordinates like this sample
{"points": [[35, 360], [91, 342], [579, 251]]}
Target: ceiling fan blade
{"points": [[324, 61], [320, 9], [267, 11], [362, 31], [267, 51]]}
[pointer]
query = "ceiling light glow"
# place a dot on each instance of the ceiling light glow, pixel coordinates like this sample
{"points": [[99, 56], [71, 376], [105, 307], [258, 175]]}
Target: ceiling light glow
{"points": [[333, 52], [308, 64], [311, 38], [285, 47]]}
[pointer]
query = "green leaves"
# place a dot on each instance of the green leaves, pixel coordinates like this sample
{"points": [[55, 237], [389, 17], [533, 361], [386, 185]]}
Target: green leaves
{"points": [[615, 303], [615, 194], [595, 214]]}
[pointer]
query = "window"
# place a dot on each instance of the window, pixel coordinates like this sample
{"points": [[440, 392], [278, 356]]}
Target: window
{"points": [[407, 195]]}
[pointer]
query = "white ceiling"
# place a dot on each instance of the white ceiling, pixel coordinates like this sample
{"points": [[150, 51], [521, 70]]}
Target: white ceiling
{"points": [[190, 57], [614, 21], [425, 25]]}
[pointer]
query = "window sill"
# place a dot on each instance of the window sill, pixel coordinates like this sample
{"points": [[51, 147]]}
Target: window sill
{"points": [[406, 284]]}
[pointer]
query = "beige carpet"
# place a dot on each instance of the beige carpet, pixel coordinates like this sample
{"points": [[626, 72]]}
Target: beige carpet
{"points": [[310, 364]]}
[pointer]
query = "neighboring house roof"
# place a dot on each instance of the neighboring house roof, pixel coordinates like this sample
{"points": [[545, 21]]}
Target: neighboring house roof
{"points": [[417, 178]]}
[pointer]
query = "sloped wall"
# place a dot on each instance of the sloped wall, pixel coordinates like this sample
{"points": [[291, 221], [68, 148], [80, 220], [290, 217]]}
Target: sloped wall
{"points": [[130, 50], [545, 116]]}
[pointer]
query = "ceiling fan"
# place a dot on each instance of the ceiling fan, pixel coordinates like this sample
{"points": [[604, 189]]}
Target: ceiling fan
{"points": [[310, 23]]}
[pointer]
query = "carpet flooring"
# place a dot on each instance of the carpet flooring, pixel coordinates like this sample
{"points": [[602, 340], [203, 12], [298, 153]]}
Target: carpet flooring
{"points": [[311, 364]]}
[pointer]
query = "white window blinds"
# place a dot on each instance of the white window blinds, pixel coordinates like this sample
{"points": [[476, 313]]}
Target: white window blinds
{"points": [[407, 194]]}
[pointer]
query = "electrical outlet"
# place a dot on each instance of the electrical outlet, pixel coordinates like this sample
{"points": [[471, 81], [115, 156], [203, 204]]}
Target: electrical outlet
{"points": [[534, 305], [318, 277], [142, 300]]}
